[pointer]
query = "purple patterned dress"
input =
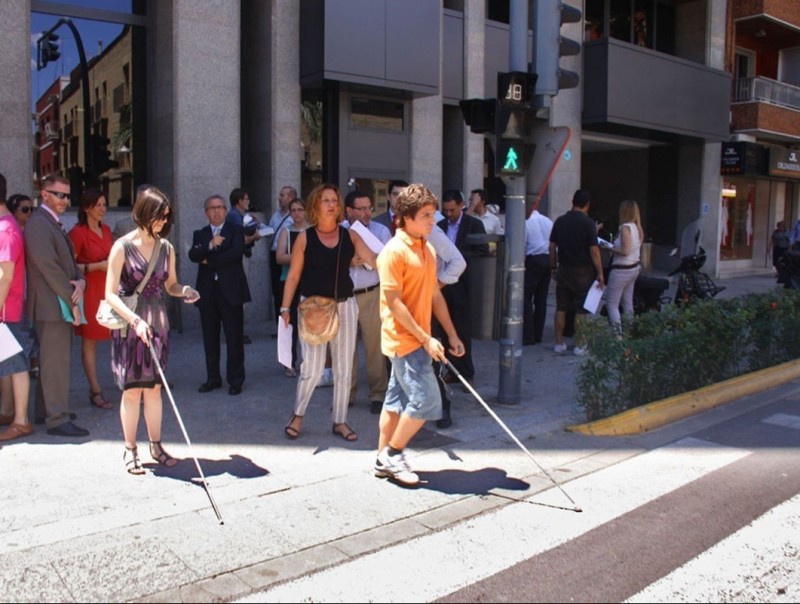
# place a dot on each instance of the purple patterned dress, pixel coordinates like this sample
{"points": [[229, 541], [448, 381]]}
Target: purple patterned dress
{"points": [[131, 362]]}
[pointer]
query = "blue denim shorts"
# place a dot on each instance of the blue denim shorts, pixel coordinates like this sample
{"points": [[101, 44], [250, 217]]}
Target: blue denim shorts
{"points": [[412, 387]]}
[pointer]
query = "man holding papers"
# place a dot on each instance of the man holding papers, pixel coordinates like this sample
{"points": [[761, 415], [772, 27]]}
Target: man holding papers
{"points": [[575, 260], [358, 206]]}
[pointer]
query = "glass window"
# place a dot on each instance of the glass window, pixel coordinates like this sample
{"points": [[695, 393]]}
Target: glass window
{"points": [[498, 10], [593, 19], [643, 23], [99, 151], [619, 20], [665, 28], [377, 114]]}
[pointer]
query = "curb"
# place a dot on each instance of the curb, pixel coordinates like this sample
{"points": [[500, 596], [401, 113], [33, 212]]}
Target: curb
{"points": [[668, 410]]}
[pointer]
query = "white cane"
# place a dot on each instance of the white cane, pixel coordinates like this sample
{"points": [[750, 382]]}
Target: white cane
{"points": [[183, 429], [469, 387]]}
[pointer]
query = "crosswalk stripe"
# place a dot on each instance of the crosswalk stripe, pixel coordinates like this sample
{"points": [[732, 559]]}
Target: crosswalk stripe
{"points": [[435, 565], [783, 419], [726, 571]]}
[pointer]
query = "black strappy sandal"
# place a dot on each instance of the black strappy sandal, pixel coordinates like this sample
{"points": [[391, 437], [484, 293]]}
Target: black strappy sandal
{"points": [[134, 464], [290, 431], [160, 455]]}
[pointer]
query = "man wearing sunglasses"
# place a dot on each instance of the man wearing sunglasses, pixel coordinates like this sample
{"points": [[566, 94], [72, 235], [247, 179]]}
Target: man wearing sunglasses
{"points": [[52, 274]]}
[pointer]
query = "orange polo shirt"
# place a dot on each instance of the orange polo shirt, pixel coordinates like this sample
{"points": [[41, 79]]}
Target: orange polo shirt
{"points": [[408, 266]]}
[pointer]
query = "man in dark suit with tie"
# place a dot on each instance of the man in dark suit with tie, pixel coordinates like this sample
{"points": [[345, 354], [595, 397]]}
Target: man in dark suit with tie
{"points": [[387, 218], [218, 249], [52, 274], [458, 225]]}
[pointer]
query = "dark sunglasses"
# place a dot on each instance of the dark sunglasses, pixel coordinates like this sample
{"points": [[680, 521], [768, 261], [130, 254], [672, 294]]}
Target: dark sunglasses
{"points": [[58, 194], [26, 209]]}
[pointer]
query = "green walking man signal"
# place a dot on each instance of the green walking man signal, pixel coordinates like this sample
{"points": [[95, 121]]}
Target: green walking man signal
{"points": [[511, 164]]}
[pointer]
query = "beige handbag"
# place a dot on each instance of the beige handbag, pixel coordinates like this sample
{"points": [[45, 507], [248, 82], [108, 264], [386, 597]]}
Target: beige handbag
{"points": [[318, 316]]}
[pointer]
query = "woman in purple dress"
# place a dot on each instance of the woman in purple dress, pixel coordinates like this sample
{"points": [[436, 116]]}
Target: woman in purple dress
{"points": [[131, 362]]}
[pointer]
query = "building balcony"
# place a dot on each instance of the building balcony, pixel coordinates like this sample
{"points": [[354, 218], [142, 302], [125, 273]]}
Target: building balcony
{"points": [[766, 109], [69, 130], [771, 16], [634, 87]]}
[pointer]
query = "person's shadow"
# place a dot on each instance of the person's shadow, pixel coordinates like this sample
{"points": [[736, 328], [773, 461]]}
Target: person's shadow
{"points": [[237, 466], [478, 482]]}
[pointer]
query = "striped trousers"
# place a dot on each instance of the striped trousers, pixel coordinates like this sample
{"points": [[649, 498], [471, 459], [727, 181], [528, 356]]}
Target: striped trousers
{"points": [[342, 347]]}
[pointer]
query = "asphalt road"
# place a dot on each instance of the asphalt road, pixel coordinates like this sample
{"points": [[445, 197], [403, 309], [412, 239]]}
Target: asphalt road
{"points": [[710, 515]]}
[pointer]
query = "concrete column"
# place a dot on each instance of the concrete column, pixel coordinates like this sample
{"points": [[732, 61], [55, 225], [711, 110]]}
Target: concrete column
{"points": [[196, 110], [699, 195], [717, 23], [474, 86], [566, 111], [15, 102], [285, 97], [427, 134]]}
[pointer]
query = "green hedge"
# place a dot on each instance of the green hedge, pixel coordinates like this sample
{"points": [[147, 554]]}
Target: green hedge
{"points": [[684, 348]]}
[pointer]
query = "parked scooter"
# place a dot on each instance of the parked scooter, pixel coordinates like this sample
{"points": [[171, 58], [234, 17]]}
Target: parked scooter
{"points": [[788, 267], [692, 284]]}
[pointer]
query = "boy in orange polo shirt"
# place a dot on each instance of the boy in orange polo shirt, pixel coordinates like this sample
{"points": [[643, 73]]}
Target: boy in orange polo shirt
{"points": [[409, 292]]}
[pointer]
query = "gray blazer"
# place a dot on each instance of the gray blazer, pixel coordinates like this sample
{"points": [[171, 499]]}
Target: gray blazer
{"points": [[51, 266]]}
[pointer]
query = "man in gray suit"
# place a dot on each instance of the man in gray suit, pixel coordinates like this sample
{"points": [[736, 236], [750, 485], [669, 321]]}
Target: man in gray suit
{"points": [[387, 218], [52, 274]]}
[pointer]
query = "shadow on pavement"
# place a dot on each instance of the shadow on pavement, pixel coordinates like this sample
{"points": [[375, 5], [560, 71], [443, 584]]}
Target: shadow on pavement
{"points": [[236, 466], [460, 482]]}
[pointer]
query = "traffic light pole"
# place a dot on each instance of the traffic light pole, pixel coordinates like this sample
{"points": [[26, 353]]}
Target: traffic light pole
{"points": [[510, 386], [88, 162]]}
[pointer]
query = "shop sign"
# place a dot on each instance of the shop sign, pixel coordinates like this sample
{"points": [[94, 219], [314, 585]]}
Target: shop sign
{"points": [[784, 162], [742, 158]]}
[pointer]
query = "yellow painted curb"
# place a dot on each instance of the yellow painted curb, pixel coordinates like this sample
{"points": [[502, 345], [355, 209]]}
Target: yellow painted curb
{"points": [[659, 413]]}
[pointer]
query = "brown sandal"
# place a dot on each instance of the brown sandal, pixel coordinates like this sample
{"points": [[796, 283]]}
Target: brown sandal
{"points": [[346, 433], [97, 399], [290, 431], [160, 455]]}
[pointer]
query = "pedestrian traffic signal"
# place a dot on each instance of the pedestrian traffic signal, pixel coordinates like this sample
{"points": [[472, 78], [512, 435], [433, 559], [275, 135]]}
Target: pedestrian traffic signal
{"points": [[478, 114], [101, 155], [549, 46], [46, 49], [512, 157]]}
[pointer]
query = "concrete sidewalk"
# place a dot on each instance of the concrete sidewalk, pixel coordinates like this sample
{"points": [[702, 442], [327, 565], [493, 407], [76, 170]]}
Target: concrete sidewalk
{"points": [[77, 527]]}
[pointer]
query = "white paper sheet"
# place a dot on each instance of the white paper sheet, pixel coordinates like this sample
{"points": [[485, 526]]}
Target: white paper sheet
{"points": [[593, 297], [8, 343], [373, 243], [603, 243], [284, 343]]}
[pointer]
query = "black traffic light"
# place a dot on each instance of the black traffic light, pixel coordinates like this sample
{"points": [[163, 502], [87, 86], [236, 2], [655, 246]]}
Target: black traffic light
{"points": [[101, 154], [479, 114], [549, 46], [46, 49]]}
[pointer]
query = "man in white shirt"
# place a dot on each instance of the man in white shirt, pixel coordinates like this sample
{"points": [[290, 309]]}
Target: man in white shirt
{"points": [[358, 206], [280, 220], [477, 207], [537, 275]]}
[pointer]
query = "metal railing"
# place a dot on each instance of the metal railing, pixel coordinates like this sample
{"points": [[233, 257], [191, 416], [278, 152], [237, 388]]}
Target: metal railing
{"points": [[764, 90]]}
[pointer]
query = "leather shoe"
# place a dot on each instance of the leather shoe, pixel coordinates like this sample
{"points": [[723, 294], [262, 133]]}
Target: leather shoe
{"points": [[375, 407], [40, 420], [234, 390], [6, 420], [68, 429], [209, 386]]}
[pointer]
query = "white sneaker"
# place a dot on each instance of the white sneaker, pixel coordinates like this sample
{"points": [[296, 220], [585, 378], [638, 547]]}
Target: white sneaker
{"points": [[580, 351], [395, 467], [560, 348]]}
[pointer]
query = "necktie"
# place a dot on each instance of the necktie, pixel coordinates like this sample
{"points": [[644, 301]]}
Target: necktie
{"points": [[393, 226]]}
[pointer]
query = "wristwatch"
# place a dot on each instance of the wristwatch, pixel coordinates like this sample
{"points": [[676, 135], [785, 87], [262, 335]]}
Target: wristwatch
{"points": [[284, 309]]}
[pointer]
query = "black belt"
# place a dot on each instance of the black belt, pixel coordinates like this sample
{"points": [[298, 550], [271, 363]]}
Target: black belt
{"points": [[625, 266], [364, 290]]}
